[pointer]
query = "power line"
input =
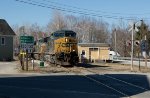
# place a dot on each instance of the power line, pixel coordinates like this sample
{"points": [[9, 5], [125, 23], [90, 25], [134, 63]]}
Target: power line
{"points": [[87, 11], [35, 3], [77, 7], [69, 10], [92, 10]]}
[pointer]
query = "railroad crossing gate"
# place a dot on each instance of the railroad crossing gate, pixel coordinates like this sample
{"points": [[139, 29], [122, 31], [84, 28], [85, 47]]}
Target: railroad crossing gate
{"points": [[26, 43]]}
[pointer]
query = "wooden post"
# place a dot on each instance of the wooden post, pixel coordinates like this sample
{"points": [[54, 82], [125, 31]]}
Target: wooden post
{"points": [[26, 60], [139, 60], [32, 63], [55, 60], [21, 61], [146, 60]]}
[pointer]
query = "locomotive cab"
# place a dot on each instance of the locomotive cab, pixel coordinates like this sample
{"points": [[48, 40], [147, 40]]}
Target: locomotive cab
{"points": [[65, 46]]}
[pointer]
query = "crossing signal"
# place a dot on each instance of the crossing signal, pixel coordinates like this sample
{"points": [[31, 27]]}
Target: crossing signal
{"points": [[128, 43], [136, 43]]}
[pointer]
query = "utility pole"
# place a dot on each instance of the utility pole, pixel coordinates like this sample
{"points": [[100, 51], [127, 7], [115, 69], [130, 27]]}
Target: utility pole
{"points": [[115, 43], [145, 52], [132, 43]]}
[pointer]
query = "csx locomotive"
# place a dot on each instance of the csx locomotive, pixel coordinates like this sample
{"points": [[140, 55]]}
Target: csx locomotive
{"points": [[61, 47]]}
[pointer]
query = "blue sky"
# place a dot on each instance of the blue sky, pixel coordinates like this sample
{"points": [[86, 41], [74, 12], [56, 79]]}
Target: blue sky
{"points": [[20, 13]]}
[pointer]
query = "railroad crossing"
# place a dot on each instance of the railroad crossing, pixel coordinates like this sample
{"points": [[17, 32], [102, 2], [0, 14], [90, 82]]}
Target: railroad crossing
{"points": [[74, 86]]}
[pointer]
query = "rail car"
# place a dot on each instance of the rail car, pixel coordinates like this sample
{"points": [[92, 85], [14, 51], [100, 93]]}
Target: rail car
{"points": [[60, 48]]}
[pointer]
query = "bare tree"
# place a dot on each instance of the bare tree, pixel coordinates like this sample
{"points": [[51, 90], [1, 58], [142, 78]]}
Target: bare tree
{"points": [[36, 31], [88, 29], [101, 33], [16, 38], [57, 22], [122, 36], [83, 29], [95, 31], [71, 22]]}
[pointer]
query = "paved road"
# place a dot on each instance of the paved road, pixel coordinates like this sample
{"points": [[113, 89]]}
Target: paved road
{"points": [[72, 86], [17, 85]]}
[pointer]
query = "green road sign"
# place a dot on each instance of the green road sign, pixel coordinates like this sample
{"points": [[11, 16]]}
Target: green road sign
{"points": [[26, 39]]}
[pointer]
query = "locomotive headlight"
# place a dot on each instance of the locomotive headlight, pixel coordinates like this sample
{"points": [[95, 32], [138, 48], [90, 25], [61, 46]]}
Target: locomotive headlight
{"points": [[66, 40]]}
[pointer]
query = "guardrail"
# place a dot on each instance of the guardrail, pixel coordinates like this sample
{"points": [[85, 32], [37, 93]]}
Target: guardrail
{"points": [[115, 58]]}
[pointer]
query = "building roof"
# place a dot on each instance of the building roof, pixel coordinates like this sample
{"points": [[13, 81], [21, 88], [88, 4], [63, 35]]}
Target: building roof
{"points": [[93, 45], [5, 29]]}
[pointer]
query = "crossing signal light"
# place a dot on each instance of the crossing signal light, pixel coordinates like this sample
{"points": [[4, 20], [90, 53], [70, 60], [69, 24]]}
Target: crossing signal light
{"points": [[136, 43], [128, 43]]}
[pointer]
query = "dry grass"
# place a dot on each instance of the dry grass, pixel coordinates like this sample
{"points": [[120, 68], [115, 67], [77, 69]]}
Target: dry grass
{"points": [[123, 67], [101, 68], [51, 68]]}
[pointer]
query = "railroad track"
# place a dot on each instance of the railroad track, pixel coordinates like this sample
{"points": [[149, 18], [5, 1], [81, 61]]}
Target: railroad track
{"points": [[121, 87]]}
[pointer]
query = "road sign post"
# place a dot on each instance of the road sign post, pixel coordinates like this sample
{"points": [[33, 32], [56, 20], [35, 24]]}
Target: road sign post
{"points": [[26, 39], [26, 60], [26, 43]]}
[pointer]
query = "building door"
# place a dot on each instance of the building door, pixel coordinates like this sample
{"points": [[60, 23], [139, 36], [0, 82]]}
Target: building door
{"points": [[93, 54]]}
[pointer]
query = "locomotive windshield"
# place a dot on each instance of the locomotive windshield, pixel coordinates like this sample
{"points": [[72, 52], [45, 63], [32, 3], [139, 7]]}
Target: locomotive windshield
{"points": [[64, 33], [70, 34], [58, 34]]}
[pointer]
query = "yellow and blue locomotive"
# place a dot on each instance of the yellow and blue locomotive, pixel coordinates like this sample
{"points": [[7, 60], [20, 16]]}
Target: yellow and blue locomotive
{"points": [[62, 47]]}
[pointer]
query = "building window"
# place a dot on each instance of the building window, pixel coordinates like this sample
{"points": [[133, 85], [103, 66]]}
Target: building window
{"points": [[93, 49], [2, 41]]}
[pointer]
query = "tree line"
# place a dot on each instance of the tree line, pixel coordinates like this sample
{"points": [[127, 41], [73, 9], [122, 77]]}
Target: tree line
{"points": [[88, 29]]}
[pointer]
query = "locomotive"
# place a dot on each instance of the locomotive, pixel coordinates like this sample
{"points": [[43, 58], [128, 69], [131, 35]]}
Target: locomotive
{"points": [[60, 48]]}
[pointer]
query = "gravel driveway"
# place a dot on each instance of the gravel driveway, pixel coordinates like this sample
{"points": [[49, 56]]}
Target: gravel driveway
{"points": [[9, 67]]}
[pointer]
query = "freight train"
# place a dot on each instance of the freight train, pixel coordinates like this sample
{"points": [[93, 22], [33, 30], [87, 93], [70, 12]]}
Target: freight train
{"points": [[60, 48]]}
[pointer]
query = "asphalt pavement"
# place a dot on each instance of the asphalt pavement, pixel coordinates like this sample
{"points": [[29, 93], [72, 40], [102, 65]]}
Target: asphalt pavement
{"points": [[72, 86], [113, 85]]}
